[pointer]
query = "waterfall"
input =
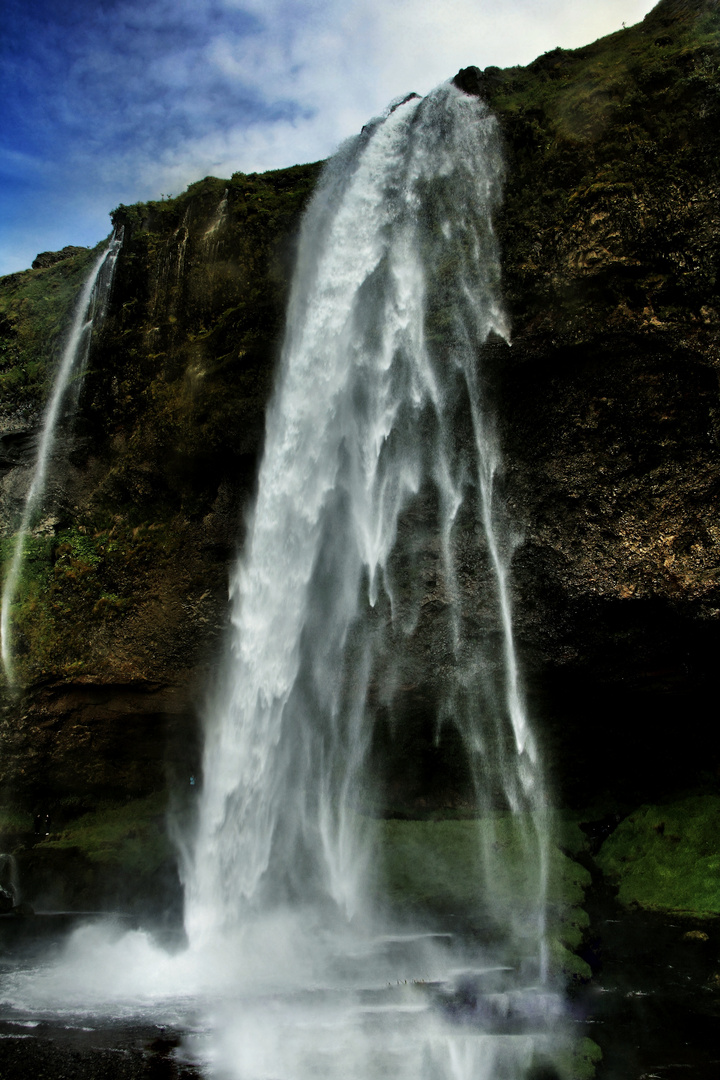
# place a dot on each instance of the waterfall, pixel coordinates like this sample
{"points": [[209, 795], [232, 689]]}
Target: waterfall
{"points": [[376, 560], [378, 423], [89, 310]]}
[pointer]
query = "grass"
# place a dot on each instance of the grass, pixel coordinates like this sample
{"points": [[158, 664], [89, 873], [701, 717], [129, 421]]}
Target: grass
{"points": [[130, 836], [581, 91], [14, 821], [427, 866]]}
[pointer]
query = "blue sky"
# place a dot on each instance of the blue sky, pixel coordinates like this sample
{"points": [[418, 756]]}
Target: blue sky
{"points": [[115, 101]]}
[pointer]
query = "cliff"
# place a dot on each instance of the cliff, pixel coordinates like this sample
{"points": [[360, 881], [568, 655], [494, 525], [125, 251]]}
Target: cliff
{"points": [[126, 575], [607, 406], [608, 398]]}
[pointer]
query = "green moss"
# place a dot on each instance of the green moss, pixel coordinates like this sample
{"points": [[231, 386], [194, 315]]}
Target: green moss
{"points": [[582, 1061], [14, 821], [568, 1058], [75, 583], [667, 858], [129, 836], [437, 865], [438, 861]]}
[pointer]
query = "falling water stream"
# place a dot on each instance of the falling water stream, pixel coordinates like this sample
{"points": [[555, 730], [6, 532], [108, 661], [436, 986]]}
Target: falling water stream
{"points": [[378, 409], [89, 310], [297, 967]]}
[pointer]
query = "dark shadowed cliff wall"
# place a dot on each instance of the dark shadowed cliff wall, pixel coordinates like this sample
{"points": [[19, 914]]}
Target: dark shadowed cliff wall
{"points": [[607, 405], [609, 397]]}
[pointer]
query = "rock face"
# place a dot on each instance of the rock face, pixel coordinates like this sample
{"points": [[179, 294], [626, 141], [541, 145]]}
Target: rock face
{"points": [[608, 398], [607, 407]]}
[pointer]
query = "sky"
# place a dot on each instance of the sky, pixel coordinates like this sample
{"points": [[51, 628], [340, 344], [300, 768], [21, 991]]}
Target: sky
{"points": [[110, 101]]}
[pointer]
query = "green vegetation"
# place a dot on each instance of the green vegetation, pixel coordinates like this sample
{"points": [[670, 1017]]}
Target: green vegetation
{"points": [[667, 858], [436, 866], [74, 582], [35, 310], [579, 91], [583, 1061], [13, 821], [130, 837]]}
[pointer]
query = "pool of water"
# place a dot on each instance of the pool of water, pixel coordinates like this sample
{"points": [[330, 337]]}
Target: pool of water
{"points": [[277, 1002]]}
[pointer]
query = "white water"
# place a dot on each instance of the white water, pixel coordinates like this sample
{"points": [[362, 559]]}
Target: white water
{"points": [[378, 416], [89, 310], [367, 417], [379, 448]]}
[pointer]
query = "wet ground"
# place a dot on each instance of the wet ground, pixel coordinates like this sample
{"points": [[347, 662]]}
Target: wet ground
{"points": [[653, 1004], [109, 1051]]}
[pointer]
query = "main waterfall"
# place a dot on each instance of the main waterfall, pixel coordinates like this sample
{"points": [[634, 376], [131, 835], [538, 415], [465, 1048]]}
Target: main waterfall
{"points": [[378, 423], [375, 571]]}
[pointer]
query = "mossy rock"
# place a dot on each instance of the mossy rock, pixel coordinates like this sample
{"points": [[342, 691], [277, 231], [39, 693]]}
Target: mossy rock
{"points": [[77, 581], [582, 1061], [117, 855], [667, 857]]}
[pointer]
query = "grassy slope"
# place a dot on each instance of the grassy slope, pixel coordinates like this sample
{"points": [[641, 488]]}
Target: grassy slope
{"points": [[435, 866], [35, 309]]}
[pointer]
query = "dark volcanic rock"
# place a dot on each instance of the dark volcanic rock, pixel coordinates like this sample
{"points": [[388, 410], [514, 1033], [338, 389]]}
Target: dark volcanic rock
{"points": [[115, 1052], [608, 400]]}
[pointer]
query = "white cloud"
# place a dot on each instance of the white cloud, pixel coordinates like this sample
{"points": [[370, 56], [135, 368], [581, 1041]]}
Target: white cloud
{"points": [[154, 94], [342, 63]]}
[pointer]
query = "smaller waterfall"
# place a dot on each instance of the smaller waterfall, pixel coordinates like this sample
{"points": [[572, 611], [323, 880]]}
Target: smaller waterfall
{"points": [[217, 219], [63, 399]]}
